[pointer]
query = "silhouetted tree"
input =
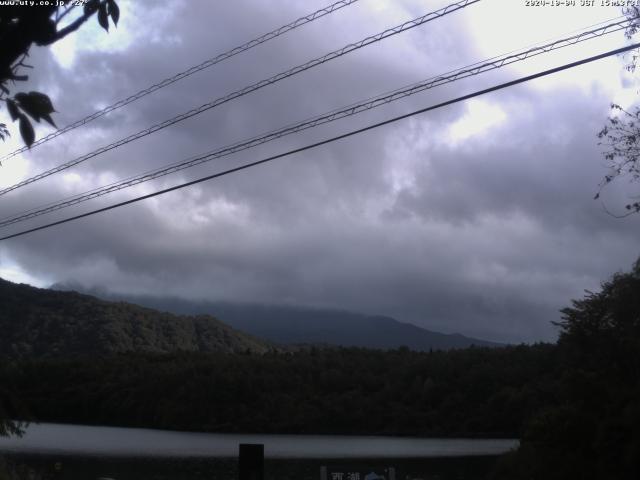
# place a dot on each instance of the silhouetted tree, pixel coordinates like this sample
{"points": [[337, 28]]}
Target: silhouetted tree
{"points": [[592, 430], [21, 26], [621, 133], [10, 408]]}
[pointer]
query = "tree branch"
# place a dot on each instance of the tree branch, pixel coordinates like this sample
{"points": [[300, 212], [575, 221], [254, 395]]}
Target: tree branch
{"points": [[75, 25]]}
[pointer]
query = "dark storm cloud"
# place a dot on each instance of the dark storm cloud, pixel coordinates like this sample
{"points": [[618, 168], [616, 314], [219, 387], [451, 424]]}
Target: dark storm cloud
{"points": [[488, 236]]}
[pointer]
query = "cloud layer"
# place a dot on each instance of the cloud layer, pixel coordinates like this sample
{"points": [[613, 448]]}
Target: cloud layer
{"points": [[477, 218]]}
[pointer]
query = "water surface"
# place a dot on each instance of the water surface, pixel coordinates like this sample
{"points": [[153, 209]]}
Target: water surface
{"points": [[49, 438]]}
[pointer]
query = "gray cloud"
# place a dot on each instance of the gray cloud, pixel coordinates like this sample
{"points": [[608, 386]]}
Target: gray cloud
{"points": [[489, 236]]}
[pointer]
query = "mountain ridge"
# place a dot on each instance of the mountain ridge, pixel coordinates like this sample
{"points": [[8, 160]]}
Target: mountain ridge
{"points": [[291, 325]]}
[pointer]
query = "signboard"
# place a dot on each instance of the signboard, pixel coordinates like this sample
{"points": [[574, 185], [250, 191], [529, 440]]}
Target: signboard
{"points": [[251, 461], [356, 472]]}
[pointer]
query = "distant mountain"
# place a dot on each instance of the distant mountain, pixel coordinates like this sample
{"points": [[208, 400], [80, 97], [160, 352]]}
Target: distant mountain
{"points": [[295, 325], [299, 325], [39, 323]]}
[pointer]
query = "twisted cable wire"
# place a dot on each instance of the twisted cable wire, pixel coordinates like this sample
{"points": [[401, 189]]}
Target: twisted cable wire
{"points": [[327, 140], [353, 109], [186, 73], [251, 88]]}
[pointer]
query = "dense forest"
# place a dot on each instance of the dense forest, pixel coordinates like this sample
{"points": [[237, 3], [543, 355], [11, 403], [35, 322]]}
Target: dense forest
{"points": [[575, 405], [474, 392], [592, 429], [41, 323]]}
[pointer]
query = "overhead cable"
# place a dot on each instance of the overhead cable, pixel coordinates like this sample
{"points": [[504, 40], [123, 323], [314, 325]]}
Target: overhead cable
{"points": [[329, 140], [186, 73], [251, 88], [454, 75]]}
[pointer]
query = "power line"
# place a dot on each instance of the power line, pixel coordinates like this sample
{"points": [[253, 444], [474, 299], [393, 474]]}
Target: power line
{"points": [[353, 109], [186, 73], [251, 88], [330, 140]]}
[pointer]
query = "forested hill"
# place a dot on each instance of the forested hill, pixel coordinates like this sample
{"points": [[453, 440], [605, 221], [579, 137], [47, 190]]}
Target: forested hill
{"points": [[40, 323]]}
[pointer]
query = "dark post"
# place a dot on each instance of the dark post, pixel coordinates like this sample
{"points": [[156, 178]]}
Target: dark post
{"points": [[251, 461]]}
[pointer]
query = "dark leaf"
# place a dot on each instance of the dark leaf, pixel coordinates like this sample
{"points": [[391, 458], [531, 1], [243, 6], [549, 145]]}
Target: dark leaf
{"points": [[26, 130], [42, 101], [49, 120], [103, 17], [25, 104], [13, 109], [4, 132], [114, 11], [36, 104]]}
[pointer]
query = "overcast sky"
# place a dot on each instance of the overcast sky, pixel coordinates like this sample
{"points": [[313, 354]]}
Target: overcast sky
{"points": [[476, 218]]}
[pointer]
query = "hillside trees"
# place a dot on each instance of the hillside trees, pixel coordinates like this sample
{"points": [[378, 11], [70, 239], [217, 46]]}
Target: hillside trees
{"points": [[10, 408], [484, 392], [593, 429]]}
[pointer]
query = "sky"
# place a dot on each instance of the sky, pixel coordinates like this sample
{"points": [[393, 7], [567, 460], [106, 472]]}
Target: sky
{"points": [[476, 218]]}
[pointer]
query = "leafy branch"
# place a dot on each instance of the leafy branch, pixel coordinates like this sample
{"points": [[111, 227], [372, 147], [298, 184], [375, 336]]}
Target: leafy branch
{"points": [[621, 132], [20, 28], [621, 136]]}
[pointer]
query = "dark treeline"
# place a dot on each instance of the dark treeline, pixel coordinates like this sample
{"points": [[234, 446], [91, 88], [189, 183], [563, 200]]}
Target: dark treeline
{"points": [[592, 429], [575, 405], [472, 392]]}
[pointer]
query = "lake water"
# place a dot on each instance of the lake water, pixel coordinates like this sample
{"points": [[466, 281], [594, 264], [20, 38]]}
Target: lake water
{"points": [[143, 454], [117, 442]]}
